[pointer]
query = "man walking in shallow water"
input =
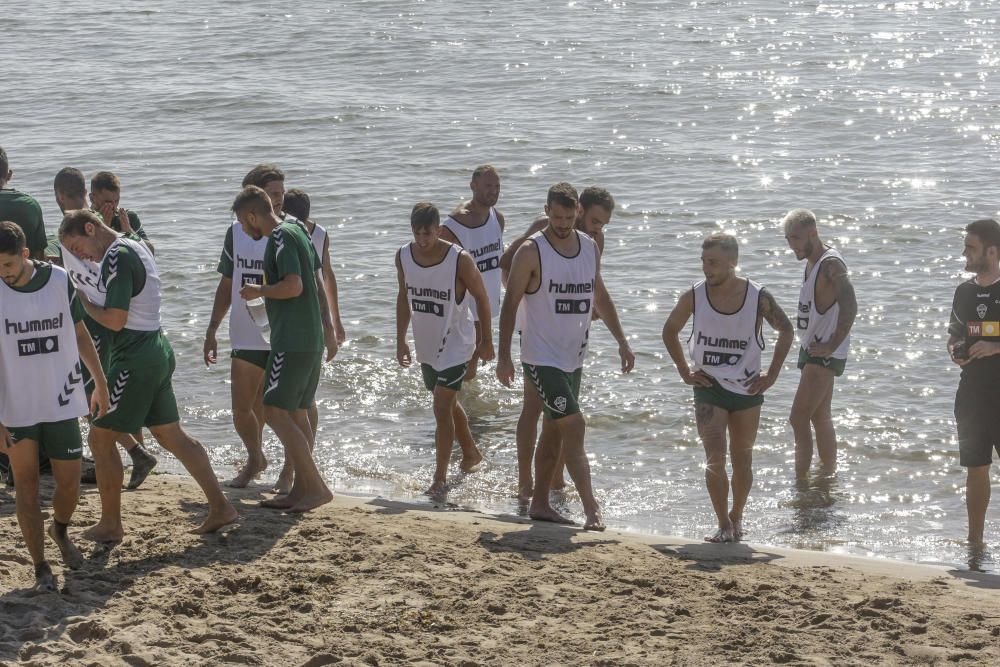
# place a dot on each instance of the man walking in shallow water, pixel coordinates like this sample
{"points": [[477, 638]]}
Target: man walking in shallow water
{"points": [[725, 346], [555, 279], [827, 308]]}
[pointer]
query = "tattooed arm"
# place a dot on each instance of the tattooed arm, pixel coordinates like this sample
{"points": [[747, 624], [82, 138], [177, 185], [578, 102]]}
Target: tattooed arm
{"points": [[768, 309], [835, 273]]}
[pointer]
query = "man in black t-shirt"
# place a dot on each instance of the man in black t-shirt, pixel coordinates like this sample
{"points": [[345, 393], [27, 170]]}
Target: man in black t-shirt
{"points": [[974, 344]]}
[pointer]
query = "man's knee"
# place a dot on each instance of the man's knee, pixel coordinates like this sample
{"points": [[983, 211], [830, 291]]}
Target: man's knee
{"points": [[799, 418]]}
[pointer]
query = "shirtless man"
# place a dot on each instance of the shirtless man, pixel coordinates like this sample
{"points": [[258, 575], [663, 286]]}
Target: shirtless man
{"points": [[827, 308], [71, 195], [140, 371], [725, 348], [478, 227], [555, 319], [438, 281], [596, 207], [41, 376]]}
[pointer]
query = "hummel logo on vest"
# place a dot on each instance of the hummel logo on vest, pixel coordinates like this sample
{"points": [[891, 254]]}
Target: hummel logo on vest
{"points": [[75, 378]]}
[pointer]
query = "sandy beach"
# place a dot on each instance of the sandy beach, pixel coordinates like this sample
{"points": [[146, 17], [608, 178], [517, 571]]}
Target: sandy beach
{"points": [[378, 582]]}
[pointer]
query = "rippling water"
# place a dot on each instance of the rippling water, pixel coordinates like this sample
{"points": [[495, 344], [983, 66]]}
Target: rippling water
{"points": [[880, 116]]}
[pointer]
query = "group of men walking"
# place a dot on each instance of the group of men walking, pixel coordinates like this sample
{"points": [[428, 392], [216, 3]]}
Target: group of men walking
{"points": [[93, 325]]}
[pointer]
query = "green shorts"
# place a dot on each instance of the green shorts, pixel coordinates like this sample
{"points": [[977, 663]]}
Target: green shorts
{"points": [[559, 390], [835, 365], [256, 357], [59, 440], [141, 395], [449, 378], [729, 401], [291, 378]]}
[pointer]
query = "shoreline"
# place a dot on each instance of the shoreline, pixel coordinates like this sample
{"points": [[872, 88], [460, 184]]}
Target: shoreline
{"points": [[374, 581]]}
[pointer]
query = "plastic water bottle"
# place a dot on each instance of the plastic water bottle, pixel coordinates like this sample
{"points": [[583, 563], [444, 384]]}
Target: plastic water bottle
{"points": [[258, 313]]}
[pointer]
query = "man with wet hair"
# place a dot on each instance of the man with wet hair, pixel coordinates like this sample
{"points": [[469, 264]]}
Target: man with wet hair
{"points": [[974, 344], [593, 215], [296, 204], [438, 283], [725, 347], [23, 210], [827, 308], [140, 371], [555, 314], [42, 343], [300, 327], [477, 226], [71, 194]]}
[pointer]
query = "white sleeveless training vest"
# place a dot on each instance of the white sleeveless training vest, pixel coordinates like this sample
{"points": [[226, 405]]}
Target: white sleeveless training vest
{"points": [[555, 319], [814, 326], [727, 347], [443, 332], [40, 367], [485, 244], [85, 274], [318, 237], [248, 269], [144, 308]]}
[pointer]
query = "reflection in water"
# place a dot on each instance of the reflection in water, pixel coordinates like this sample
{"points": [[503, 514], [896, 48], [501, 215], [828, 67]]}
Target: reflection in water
{"points": [[815, 507], [980, 559]]}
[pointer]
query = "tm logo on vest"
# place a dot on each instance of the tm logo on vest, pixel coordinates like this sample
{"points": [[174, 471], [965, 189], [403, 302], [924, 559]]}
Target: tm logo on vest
{"points": [[427, 307], [252, 279], [27, 347], [802, 321]]}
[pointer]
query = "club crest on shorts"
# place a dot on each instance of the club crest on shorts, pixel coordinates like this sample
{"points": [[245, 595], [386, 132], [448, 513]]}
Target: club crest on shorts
{"points": [[981, 310], [560, 403]]}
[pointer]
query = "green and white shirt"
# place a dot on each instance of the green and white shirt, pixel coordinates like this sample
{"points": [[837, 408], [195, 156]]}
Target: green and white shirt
{"points": [[131, 282], [296, 325]]}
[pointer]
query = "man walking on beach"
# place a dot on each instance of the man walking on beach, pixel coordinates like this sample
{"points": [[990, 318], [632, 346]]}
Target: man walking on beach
{"points": [[42, 343], [71, 195], [557, 275], [827, 308], [293, 292], [974, 344], [141, 367], [594, 213], [23, 210], [478, 227], [725, 347], [437, 283]]}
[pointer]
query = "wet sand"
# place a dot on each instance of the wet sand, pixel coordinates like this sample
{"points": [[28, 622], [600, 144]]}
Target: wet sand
{"points": [[378, 582]]}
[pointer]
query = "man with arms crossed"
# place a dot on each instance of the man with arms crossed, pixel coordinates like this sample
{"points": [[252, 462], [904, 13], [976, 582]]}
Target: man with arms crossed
{"points": [[71, 195], [139, 376], [974, 344], [827, 307], [437, 281], [478, 227], [41, 344], [594, 213], [300, 327], [557, 275], [725, 346]]}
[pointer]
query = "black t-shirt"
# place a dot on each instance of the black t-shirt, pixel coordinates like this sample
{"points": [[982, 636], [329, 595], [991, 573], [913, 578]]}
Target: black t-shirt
{"points": [[975, 316]]}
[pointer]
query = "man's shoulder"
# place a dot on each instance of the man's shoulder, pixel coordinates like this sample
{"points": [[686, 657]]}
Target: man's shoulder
{"points": [[17, 200]]}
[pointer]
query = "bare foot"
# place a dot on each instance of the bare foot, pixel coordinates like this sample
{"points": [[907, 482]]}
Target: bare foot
{"points": [[525, 491], [72, 558], [278, 503], [471, 463], [548, 514], [285, 480], [100, 532], [142, 464], [437, 491], [247, 474], [721, 535], [217, 520], [311, 502], [737, 524], [594, 522], [45, 581]]}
